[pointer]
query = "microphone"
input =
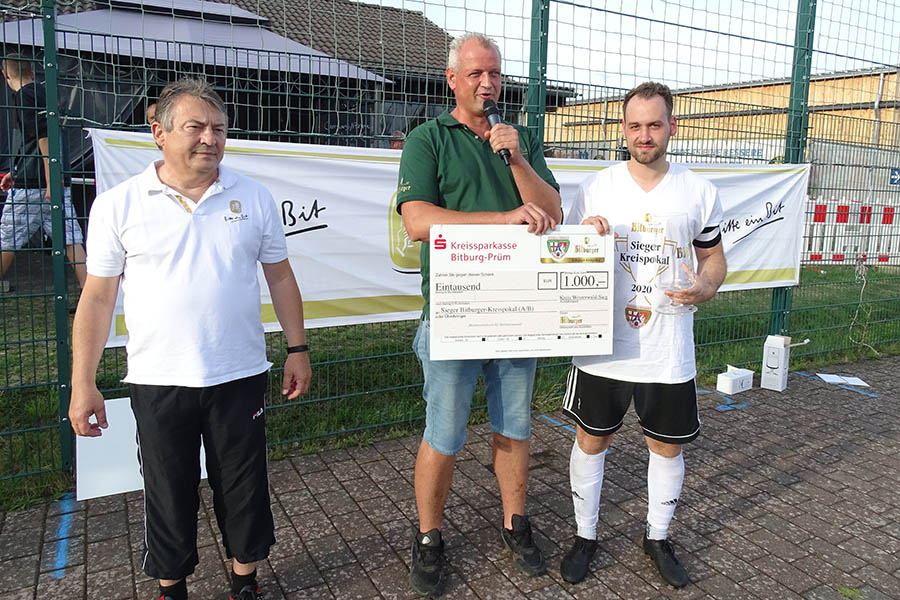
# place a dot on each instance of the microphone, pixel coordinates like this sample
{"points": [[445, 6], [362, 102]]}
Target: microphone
{"points": [[492, 114]]}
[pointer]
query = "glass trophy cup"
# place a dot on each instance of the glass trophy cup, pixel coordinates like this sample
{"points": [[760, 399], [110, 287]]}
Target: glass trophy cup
{"points": [[677, 273]]}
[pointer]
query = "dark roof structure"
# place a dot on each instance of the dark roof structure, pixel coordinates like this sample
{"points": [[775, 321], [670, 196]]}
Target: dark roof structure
{"points": [[358, 32], [361, 33]]}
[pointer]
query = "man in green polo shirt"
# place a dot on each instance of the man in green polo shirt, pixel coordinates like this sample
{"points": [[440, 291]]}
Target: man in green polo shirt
{"points": [[451, 173]]}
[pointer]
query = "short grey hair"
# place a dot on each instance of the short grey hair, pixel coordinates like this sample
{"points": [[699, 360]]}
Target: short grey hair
{"points": [[457, 43], [188, 86]]}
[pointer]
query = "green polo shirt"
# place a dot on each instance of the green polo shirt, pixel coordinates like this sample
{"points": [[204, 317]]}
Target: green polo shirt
{"points": [[446, 163]]}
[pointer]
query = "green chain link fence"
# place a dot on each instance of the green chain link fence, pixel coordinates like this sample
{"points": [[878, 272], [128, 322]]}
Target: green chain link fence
{"points": [[755, 82]]}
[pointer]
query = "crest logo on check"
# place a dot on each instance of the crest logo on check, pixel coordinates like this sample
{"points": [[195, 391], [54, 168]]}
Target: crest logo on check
{"points": [[558, 247]]}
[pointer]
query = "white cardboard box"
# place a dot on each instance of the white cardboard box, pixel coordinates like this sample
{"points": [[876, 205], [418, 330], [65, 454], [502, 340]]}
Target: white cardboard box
{"points": [[776, 355], [734, 380]]}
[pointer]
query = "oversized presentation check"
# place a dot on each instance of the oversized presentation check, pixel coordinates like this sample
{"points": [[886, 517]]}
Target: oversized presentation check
{"points": [[497, 291]]}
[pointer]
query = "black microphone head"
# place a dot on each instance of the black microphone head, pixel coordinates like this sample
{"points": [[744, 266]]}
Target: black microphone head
{"points": [[492, 114], [490, 109]]}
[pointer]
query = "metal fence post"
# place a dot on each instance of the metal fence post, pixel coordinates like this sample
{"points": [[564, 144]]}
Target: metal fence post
{"points": [[536, 104], [797, 125], [60, 295]]}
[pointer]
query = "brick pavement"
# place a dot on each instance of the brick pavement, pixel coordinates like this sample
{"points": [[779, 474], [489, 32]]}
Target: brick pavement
{"points": [[787, 495]]}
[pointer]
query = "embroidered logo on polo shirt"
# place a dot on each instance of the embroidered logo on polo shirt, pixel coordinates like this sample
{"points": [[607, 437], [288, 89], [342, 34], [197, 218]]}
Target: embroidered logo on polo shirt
{"points": [[235, 207]]}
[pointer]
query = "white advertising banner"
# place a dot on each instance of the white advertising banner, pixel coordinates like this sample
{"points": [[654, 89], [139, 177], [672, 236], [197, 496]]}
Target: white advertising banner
{"points": [[762, 231], [346, 243], [350, 252]]}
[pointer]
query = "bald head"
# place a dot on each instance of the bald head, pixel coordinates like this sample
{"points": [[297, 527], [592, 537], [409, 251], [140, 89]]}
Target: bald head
{"points": [[18, 72]]}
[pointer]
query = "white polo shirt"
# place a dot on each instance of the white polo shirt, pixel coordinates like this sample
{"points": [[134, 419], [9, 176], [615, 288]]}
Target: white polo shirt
{"points": [[189, 275]]}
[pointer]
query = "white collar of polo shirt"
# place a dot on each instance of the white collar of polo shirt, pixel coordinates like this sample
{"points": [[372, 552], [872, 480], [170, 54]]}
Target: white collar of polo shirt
{"points": [[150, 182]]}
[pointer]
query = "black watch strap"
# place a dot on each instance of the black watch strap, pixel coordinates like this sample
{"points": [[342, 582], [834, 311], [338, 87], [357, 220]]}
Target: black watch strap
{"points": [[300, 348]]}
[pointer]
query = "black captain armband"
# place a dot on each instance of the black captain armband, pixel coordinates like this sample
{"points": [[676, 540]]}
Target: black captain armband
{"points": [[709, 237], [300, 348]]}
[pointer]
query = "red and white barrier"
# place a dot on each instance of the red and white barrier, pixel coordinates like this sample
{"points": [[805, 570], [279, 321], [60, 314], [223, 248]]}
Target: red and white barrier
{"points": [[846, 231]]}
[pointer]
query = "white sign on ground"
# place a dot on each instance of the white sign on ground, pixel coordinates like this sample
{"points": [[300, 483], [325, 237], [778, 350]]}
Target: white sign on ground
{"points": [[109, 464]]}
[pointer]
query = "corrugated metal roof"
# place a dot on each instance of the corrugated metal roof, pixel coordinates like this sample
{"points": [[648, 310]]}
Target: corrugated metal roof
{"points": [[194, 7], [127, 32]]}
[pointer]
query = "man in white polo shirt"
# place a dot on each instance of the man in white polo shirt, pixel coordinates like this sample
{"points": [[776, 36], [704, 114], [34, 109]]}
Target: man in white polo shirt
{"points": [[184, 237]]}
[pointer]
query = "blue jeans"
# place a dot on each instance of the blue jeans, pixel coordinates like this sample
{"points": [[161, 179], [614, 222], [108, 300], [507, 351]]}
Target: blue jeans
{"points": [[450, 385]]}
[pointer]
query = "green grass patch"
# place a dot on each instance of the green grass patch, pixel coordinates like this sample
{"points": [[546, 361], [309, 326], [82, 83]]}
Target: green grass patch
{"points": [[30, 453], [367, 382], [23, 492], [845, 319]]}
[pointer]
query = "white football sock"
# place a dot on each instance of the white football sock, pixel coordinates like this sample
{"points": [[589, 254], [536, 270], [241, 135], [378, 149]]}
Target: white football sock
{"points": [[664, 479], [586, 477]]}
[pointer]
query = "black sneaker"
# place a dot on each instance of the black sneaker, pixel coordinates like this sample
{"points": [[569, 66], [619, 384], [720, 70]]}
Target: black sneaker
{"points": [[426, 573], [248, 592], [575, 564], [527, 556], [668, 566]]}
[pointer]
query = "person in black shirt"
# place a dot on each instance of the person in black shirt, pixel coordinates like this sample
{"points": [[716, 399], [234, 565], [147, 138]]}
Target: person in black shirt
{"points": [[28, 201]]}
